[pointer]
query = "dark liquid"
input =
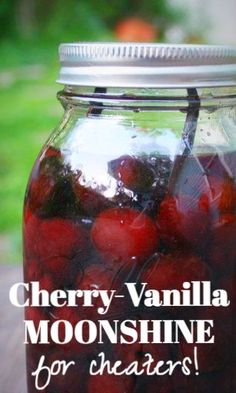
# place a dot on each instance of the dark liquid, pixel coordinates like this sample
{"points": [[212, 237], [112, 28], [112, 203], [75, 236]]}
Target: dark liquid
{"points": [[160, 227]]}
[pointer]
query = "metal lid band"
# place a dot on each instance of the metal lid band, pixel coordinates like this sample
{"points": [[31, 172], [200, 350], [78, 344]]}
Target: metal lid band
{"points": [[147, 65]]}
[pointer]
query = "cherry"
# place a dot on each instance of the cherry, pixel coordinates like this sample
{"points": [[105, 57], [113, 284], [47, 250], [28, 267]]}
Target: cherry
{"points": [[47, 270], [134, 173], [55, 237], [57, 265], [90, 201], [99, 277], [47, 283], [214, 182], [33, 270], [27, 214], [40, 190], [220, 192], [170, 271], [183, 220], [96, 277], [121, 234], [211, 176], [43, 179], [35, 314], [30, 235], [227, 196], [51, 152]]}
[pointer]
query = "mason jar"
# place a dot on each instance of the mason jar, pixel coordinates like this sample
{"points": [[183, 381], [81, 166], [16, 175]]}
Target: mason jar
{"points": [[130, 224]]}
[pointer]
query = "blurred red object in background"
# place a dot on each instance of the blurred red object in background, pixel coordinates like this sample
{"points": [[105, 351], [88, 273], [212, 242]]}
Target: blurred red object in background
{"points": [[136, 29]]}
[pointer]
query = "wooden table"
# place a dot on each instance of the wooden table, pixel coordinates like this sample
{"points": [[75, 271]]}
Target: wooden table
{"points": [[12, 349]]}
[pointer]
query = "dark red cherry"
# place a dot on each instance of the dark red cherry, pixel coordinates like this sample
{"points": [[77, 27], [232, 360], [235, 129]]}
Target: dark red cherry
{"points": [[183, 220], [55, 237], [36, 314], [43, 179], [41, 190], [121, 234], [47, 283], [51, 152], [57, 266], [33, 270], [90, 201], [170, 271], [97, 277], [133, 172]]}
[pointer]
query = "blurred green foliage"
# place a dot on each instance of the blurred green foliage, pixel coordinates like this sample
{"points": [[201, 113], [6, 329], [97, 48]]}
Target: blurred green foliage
{"points": [[29, 112], [60, 20], [30, 33]]}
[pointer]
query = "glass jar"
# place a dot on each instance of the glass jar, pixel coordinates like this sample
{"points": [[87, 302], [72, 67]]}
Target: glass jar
{"points": [[130, 225]]}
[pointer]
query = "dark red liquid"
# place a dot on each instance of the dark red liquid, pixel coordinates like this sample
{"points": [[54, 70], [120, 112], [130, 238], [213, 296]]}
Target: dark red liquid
{"points": [[163, 227]]}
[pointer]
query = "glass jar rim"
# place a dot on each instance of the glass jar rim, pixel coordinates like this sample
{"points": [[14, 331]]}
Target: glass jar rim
{"points": [[147, 99], [147, 65]]}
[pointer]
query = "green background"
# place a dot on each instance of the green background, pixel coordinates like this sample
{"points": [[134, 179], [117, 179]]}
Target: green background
{"points": [[31, 31]]}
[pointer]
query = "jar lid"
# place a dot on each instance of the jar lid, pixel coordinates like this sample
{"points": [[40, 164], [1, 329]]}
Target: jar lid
{"points": [[141, 65]]}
